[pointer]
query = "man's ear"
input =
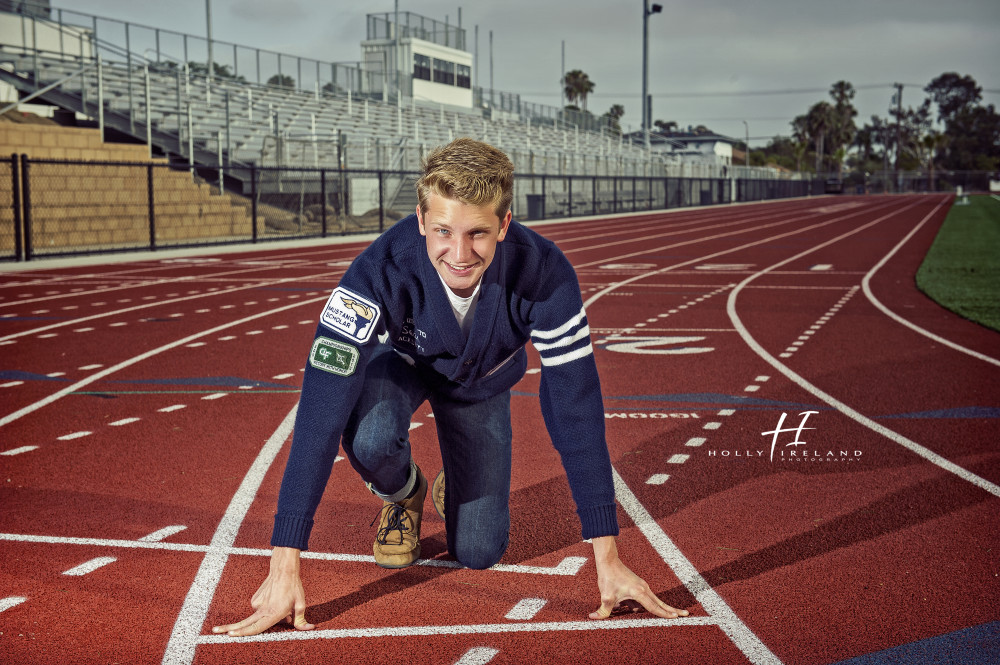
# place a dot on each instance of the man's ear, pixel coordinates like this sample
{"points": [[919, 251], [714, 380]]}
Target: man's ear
{"points": [[504, 225], [420, 221]]}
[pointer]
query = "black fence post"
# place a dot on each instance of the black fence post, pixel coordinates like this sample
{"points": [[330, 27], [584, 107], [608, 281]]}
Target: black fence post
{"points": [[152, 206], [15, 181], [381, 202], [544, 202], [322, 198], [569, 197], [26, 206], [593, 195], [253, 202]]}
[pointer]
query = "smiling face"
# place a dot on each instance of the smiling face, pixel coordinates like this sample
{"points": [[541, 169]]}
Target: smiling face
{"points": [[461, 240]]}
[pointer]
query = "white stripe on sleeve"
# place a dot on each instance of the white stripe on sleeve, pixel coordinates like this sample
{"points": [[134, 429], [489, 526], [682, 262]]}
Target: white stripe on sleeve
{"points": [[567, 357], [569, 325]]}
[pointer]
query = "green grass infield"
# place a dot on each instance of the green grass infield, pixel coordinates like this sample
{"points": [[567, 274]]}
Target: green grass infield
{"points": [[961, 271]]}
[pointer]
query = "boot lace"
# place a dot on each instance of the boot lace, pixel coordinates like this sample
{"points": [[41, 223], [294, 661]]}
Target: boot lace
{"points": [[396, 519]]}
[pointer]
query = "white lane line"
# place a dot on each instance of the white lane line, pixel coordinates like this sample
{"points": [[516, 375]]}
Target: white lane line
{"points": [[473, 629], [712, 425], [74, 435], [658, 479], [414, 426], [678, 459], [281, 377], [751, 389], [145, 356], [184, 637], [11, 384], [695, 441], [866, 287], [800, 381], [720, 613], [18, 451], [90, 367], [477, 656], [163, 533], [526, 609], [124, 421], [10, 601], [90, 566], [175, 407], [215, 396], [727, 412]]}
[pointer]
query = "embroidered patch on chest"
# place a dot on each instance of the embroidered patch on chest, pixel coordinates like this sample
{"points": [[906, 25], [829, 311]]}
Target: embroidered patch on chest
{"points": [[332, 356], [350, 315]]}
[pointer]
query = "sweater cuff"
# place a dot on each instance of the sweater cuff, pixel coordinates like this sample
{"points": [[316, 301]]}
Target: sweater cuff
{"points": [[599, 521], [290, 531]]}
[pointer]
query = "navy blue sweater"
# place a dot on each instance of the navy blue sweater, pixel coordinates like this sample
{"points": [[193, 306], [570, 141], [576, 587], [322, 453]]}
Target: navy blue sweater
{"points": [[529, 291]]}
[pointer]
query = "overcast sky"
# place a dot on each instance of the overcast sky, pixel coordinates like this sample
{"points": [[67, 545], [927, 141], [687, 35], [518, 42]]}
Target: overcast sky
{"points": [[697, 50]]}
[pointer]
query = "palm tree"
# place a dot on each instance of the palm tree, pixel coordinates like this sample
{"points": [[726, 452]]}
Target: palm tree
{"points": [[842, 129], [577, 85], [819, 121]]}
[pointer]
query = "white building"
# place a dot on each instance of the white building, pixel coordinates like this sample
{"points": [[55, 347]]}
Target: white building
{"points": [[423, 59]]}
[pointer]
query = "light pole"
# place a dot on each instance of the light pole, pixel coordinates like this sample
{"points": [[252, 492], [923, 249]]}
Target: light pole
{"points": [[746, 157], [647, 10], [208, 22]]}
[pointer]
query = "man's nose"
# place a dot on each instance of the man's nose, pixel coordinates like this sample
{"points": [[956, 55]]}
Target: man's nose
{"points": [[463, 249]]}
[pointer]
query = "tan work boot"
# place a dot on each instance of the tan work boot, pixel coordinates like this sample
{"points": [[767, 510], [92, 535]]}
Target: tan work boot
{"points": [[397, 543], [437, 493]]}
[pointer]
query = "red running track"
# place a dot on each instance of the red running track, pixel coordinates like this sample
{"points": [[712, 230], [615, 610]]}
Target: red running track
{"points": [[147, 407]]}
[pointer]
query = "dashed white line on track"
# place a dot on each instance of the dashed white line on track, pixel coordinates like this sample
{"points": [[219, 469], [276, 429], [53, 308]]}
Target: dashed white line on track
{"points": [[88, 567], [124, 421], [477, 656], [10, 602], [526, 609], [658, 479], [18, 451], [215, 396], [74, 435], [163, 533], [175, 407]]}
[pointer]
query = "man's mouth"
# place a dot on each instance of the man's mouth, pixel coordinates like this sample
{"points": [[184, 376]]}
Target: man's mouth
{"points": [[459, 269]]}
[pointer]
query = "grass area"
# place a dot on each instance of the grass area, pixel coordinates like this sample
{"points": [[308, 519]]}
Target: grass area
{"points": [[961, 271]]}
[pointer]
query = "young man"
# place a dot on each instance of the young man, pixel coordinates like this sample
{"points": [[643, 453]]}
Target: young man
{"points": [[456, 291]]}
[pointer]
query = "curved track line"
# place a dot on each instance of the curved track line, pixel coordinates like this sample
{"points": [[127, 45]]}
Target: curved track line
{"points": [[617, 285], [184, 637], [799, 380], [866, 287], [143, 356]]}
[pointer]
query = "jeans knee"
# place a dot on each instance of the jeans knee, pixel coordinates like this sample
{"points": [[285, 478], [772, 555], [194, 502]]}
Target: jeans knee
{"points": [[480, 556]]}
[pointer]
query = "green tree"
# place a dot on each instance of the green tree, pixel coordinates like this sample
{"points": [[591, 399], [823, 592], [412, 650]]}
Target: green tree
{"points": [[665, 126], [282, 81], [842, 127], [577, 85], [972, 130], [819, 121], [613, 117]]}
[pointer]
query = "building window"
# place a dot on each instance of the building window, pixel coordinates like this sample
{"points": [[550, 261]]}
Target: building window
{"points": [[463, 76], [421, 67], [444, 72]]}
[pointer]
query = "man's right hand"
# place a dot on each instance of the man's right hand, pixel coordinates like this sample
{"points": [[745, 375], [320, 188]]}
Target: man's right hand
{"points": [[281, 596]]}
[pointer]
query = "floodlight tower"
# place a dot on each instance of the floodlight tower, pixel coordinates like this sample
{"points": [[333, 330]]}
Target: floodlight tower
{"points": [[647, 11]]}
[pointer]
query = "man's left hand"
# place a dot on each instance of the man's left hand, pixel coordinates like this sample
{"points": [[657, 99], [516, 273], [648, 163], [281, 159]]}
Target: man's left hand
{"points": [[617, 583]]}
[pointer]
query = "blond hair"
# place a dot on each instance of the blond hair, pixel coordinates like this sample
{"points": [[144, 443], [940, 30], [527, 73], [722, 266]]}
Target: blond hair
{"points": [[469, 171]]}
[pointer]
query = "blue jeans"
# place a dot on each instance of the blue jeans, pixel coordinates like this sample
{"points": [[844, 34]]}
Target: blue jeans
{"points": [[475, 441]]}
